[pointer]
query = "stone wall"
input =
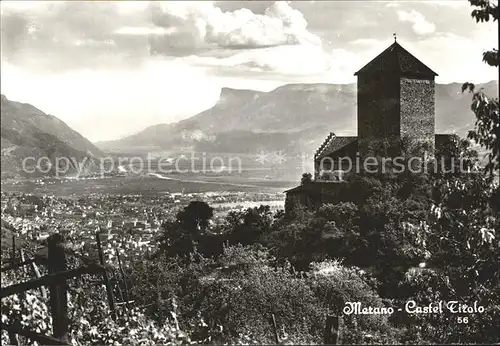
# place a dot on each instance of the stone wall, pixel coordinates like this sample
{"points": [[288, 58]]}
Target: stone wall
{"points": [[313, 195], [393, 109], [418, 111]]}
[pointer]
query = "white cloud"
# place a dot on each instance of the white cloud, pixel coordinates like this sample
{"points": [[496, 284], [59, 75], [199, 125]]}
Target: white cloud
{"points": [[420, 25], [268, 63], [168, 28], [104, 82], [306, 60], [127, 7], [27, 5], [202, 23], [456, 65], [143, 31], [393, 4]]}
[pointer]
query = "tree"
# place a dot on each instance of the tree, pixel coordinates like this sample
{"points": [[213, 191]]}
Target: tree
{"points": [[459, 247], [306, 178], [180, 236], [196, 216], [456, 156], [486, 9], [248, 226], [487, 127]]}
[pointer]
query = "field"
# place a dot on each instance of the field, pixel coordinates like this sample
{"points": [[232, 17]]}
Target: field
{"points": [[144, 185]]}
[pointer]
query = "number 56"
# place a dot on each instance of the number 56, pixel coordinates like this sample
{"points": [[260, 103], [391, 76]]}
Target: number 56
{"points": [[463, 319]]}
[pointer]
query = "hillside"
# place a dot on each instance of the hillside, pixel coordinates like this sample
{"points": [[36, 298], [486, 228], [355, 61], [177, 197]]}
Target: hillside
{"points": [[294, 117], [286, 115], [28, 132]]}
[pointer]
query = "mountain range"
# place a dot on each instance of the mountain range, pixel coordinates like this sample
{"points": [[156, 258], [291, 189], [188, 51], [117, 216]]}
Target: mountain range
{"points": [[28, 133], [294, 117]]}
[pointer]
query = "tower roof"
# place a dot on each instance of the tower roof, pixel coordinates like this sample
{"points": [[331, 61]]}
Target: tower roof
{"points": [[395, 59]]}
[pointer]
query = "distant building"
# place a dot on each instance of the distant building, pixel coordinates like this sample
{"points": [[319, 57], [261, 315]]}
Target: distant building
{"points": [[396, 105]]}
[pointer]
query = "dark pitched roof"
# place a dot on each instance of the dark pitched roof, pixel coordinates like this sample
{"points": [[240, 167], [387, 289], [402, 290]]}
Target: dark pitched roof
{"points": [[316, 187], [396, 59], [299, 188], [334, 144]]}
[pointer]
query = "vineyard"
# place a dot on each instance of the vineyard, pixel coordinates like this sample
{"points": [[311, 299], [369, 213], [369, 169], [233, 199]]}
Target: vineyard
{"points": [[62, 291], [103, 273], [69, 291]]}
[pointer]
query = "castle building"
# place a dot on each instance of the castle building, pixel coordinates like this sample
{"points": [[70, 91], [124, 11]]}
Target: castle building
{"points": [[395, 106]]}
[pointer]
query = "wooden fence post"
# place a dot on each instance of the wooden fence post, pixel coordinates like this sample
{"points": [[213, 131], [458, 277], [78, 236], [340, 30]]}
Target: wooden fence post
{"points": [[58, 287], [43, 290], [106, 277], [13, 338], [23, 259], [275, 330], [333, 330], [124, 278], [118, 288], [13, 249], [159, 300]]}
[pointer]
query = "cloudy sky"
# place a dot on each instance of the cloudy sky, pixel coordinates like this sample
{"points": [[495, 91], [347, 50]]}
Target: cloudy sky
{"points": [[110, 69]]}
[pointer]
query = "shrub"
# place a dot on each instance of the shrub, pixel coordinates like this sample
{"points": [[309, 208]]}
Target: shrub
{"points": [[334, 285]]}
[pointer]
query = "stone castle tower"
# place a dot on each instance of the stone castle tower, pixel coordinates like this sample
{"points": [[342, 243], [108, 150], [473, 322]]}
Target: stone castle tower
{"points": [[395, 102], [396, 105]]}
